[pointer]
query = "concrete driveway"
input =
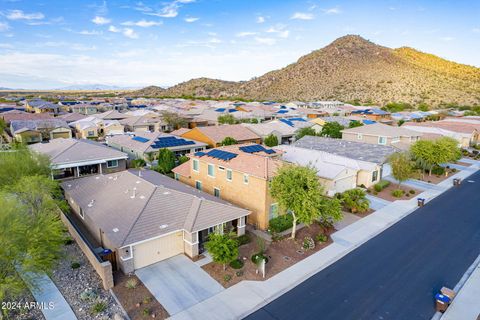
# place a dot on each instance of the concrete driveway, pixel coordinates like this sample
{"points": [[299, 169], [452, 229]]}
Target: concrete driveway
{"points": [[178, 283]]}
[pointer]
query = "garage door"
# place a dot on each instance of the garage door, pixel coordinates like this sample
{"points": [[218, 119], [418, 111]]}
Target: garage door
{"points": [[146, 253], [344, 184]]}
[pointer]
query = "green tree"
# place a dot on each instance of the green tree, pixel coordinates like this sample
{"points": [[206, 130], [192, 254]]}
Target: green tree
{"points": [[449, 150], [228, 141], [355, 123], [21, 162], [226, 119], [305, 132], [138, 163], [332, 130], [151, 156], [3, 126], [254, 120], [298, 190], [423, 107], [355, 200], [222, 247], [401, 166], [173, 120], [400, 122], [271, 140], [424, 154], [166, 161], [183, 159]]}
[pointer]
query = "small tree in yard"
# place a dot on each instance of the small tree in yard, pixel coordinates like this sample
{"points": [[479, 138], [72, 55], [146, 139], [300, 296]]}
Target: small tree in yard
{"points": [[166, 161], [355, 124], [305, 132], [222, 247], [332, 130], [271, 140], [298, 190], [226, 119], [424, 154], [448, 150], [228, 141], [355, 200], [401, 166]]}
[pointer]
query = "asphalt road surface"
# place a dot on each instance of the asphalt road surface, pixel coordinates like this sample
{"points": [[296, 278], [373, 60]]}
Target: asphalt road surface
{"points": [[396, 274]]}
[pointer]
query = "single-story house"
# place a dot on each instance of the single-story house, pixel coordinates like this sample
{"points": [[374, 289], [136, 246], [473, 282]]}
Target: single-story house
{"points": [[370, 159], [42, 106], [214, 135], [72, 158], [145, 123], [281, 130], [145, 217], [379, 133], [32, 131], [141, 144]]}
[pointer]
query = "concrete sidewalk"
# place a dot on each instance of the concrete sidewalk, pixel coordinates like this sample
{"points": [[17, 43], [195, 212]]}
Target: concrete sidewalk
{"points": [[46, 293], [240, 300]]}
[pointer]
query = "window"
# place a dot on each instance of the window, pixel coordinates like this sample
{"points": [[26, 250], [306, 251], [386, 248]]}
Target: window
{"points": [[91, 133], [198, 149], [273, 211], [211, 170], [112, 164], [198, 185], [359, 136], [374, 176], [245, 178], [195, 165], [229, 174], [382, 140], [216, 192]]}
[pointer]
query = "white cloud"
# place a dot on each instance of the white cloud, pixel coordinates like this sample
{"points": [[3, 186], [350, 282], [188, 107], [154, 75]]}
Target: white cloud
{"points": [[267, 41], [90, 32], [130, 33], [114, 29], [260, 19], [4, 26], [279, 30], [334, 10], [169, 10], [302, 16], [20, 15], [191, 19], [142, 23], [245, 34], [101, 20]]}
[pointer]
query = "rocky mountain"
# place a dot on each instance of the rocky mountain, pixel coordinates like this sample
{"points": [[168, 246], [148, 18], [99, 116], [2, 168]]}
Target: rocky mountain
{"points": [[91, 87], [350, 68]]}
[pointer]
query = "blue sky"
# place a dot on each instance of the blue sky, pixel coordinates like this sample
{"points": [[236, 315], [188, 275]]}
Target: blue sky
{"points": [[50, 43]]}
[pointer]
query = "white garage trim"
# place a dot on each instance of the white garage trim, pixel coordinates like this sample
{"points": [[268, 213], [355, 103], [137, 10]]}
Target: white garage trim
{"points": [[150, 252]]}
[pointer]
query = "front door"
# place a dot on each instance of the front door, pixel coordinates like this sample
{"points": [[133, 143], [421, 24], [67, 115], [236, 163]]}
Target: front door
{"points": [[202, 238]]}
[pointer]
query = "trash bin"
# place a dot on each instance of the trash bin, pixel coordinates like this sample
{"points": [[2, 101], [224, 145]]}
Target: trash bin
{"points": [[441, 302], [420, 202], [456, 182]]}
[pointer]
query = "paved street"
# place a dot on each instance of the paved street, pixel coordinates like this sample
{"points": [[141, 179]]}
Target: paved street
{"points": [[396, 274]]}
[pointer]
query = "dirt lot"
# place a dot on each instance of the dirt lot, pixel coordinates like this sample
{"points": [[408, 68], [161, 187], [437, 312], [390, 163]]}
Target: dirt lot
{"points": [[138, 302], [281, 255], [387, 192]]}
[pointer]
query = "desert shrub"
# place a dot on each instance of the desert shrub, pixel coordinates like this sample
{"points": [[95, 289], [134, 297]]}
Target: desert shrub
{"points": [[227, 278], [308, 243], [281, 223], [68, 241], [397, 193], [75, 265], [244, 239], [412, 191], [438, 171], [236, 264], [259, 256], [146, 312], [379, 186], [88, 295], [131, 283], [239, 273], [321, 237], [99, 307]]}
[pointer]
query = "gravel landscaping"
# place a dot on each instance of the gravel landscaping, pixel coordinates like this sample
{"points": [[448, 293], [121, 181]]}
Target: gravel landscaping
{"points": [[82, 287], [408, 192], [281, 254]]}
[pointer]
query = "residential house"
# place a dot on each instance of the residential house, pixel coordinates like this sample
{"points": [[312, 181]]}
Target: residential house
{"points": [[111, 115], [84, 108], [72, 158], [382, 134], [151, 123], [142, 144], [374, 114], [9, 116], [72, 117], [369, 159], [32, 131], [284, 133], [466, 131], [214, 135], [239, 174], [42, 106], [95, 128], [145, 217], [318, 123]]}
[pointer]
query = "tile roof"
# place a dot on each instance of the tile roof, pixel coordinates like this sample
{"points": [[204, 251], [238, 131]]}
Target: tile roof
{"points": [[350, 149], [379, 129], [466, 126], [71, 117], [266, 128], [22, 125], [236, 131], [64, 151], [130, 206], [20, 115], [179, 132]]}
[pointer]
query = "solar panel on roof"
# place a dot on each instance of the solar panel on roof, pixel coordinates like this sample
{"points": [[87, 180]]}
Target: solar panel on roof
{"points": [[140, 139], [256, 148], [199, 154], [220, 110], [222, 155]]}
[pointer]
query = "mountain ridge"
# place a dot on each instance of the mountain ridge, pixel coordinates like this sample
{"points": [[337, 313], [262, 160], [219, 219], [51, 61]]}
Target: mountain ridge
{"points": [[350, 68]]}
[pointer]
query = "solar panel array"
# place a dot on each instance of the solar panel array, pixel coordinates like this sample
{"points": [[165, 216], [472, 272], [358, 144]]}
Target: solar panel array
{"points": [[222, 155], [140, 139], [167, 142], [256, 148]]}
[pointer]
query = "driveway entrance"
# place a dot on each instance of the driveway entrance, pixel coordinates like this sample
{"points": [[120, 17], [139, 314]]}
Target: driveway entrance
{"points": [[178, 283]]}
